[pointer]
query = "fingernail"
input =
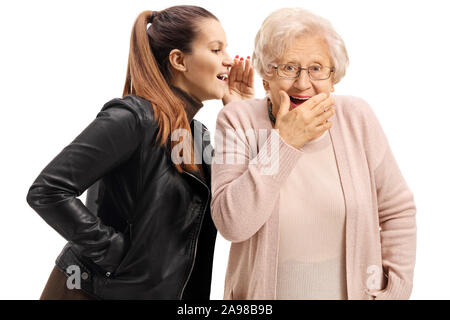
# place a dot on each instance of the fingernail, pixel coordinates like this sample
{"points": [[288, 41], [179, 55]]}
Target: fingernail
{"points": [[242, 58], [237, 57], [248, 57]]}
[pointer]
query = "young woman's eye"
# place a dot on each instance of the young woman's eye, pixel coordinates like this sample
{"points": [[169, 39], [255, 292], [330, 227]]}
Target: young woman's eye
{"points": [[216, 51]]}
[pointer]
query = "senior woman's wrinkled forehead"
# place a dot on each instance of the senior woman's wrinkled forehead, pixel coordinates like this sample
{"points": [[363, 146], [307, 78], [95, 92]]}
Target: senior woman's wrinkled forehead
{"points": [[285, 25], [306, 49]]}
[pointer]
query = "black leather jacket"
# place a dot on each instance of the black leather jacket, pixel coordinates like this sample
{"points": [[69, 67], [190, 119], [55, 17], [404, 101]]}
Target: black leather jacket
{"points": [[146, 230]]}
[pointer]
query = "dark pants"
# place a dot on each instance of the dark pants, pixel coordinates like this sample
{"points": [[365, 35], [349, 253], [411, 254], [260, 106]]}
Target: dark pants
{"points": [[56, 288]]}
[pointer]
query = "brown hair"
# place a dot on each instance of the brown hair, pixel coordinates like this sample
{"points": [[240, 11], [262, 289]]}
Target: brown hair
{"points": [[149, 73]]}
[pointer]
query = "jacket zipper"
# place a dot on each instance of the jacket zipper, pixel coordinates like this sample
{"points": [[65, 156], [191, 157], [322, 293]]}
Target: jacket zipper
{"points": [[196, 238]]}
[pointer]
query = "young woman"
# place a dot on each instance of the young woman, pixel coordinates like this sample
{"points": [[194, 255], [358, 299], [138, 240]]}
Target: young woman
{"points": [[146, 230]]}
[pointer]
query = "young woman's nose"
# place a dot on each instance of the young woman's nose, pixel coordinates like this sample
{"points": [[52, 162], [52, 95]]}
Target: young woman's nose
{"points": [[228, 61]]}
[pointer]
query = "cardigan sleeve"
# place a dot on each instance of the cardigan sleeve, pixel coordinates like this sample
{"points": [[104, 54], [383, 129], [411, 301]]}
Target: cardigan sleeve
{"points": [[106, 143], [245, 189], [396, 213]]}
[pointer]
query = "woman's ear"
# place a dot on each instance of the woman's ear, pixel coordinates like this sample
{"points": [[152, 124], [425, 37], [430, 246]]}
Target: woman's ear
{"points": [[177, 61], [266, 85], [332, 82]]}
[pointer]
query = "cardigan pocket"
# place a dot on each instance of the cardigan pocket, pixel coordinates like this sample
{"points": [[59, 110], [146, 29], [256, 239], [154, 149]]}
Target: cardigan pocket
{"points": [[377, 282], [374, 293], [396, 289]]}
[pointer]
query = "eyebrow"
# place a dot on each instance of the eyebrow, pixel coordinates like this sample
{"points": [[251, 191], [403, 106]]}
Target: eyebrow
{"points": [[314, 58], [219, 42]]}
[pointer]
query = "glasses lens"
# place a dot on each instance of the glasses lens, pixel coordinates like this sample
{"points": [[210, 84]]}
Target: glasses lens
{"points": [[288, 70], [317, 72]]}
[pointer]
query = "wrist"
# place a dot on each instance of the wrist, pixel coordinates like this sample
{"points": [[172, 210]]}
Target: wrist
{"points": [[227, 99], [294, 144]]}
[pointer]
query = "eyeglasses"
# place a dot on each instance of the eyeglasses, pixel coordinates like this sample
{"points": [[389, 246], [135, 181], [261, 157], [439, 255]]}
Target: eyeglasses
{"points": [[292, 71]]}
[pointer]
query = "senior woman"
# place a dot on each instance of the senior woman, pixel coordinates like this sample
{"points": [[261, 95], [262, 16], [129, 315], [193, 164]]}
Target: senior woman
{"points": [[317, 208]]}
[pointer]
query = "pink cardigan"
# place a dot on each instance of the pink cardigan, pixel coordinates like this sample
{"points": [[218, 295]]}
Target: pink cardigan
{"points": [[380, 209]]}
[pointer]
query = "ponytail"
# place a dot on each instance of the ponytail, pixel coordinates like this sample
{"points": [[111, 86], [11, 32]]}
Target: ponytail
{"points": [[144, 79]]}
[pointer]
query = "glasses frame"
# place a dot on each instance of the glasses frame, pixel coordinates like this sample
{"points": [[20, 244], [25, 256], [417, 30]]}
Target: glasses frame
{"points": [[332, 69]]}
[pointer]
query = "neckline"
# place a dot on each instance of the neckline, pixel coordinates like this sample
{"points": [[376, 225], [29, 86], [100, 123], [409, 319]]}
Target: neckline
{"points": [[318, 143]]}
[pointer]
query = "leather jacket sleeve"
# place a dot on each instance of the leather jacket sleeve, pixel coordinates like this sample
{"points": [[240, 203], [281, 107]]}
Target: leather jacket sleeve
{"points": [[107, 142]]}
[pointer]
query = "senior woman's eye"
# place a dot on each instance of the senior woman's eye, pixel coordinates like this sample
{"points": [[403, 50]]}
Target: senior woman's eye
{"points": [[290, 67], [315, 68], [216, 50]]}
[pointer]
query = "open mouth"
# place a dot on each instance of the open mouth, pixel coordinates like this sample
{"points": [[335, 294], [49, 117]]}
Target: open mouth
{"points": [[296, 101], [222, 76]]}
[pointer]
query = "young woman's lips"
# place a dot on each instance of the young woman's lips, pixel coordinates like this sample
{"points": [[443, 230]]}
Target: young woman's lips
{"points": [[222, 77]]}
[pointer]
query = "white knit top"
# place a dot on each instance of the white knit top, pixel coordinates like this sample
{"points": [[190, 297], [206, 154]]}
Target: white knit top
{"points": [[311, 258]]}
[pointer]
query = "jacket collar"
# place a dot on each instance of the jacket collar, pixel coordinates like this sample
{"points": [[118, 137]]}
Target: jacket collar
{"points": [[201, 136]]}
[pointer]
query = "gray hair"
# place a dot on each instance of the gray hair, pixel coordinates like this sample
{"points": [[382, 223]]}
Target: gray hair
{"points": [[283, 26]]}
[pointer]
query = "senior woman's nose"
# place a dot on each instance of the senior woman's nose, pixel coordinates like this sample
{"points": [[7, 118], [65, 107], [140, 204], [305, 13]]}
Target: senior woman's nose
{"points": [[303, 81]]}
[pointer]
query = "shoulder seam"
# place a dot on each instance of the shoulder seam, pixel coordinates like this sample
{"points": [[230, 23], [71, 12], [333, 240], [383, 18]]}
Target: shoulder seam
{"points": [[145, 112]]}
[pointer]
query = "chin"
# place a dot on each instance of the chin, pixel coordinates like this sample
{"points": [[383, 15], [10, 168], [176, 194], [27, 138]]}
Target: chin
{"points": [[218, 95]]}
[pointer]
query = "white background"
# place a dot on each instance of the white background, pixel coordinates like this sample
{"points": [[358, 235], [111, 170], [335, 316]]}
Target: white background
{"points": [[60, 61]]}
